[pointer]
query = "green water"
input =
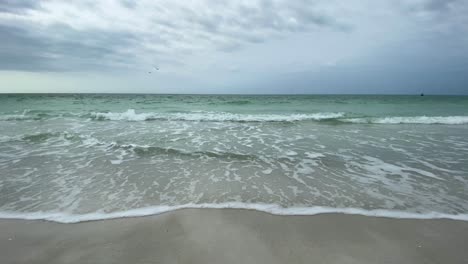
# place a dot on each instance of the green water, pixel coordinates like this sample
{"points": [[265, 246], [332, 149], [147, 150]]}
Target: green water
{"points": [[92, 156], [352, 105]]}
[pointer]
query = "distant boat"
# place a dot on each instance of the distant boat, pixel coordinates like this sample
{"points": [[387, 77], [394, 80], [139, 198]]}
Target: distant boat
{"points": [[422, 94]]}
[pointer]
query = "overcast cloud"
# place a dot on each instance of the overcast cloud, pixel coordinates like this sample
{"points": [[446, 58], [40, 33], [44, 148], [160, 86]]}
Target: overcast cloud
{"points": [[254, 46]]}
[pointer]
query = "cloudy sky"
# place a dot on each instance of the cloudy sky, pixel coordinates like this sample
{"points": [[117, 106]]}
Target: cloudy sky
{"points": [[245, 46]]}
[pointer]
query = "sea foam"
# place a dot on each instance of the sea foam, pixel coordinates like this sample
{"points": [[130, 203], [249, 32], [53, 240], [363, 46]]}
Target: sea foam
{"points": [[131, 115], [274, 209], [447, 120], [210, 116], [12, 117]]}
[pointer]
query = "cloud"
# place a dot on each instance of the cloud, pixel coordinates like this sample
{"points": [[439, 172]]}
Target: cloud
{"points": [[239, 43], [440, 9], [17, 6], [439, 5], [20, 51], [28, 50], [74, 35]]}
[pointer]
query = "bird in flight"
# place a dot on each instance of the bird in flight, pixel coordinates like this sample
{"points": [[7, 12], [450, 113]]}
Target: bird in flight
{"points": [[156, 68]]}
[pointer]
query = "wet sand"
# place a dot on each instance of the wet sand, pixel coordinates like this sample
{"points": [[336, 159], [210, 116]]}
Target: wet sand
{"points": [[235, 236]]}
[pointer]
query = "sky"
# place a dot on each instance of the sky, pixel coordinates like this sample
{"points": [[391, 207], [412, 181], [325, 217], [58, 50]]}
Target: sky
{"points": [[245, 46]]}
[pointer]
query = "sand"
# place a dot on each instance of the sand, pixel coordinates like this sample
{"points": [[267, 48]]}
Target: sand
{"points": [[235, 236]]}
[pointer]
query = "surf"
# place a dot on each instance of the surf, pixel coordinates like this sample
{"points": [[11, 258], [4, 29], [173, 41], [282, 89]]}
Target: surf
{"points": [[131, 115], [274, 209], [425, 120]]}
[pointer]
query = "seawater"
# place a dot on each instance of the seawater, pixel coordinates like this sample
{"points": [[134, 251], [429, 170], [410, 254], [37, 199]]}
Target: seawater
{"points": [[80, 157]]}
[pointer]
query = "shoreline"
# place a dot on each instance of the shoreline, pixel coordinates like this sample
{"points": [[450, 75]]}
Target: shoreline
{"points": [[236, 236], [271, 209]]}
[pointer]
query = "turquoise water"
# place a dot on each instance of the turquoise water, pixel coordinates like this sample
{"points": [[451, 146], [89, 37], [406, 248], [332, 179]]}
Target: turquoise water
{"points": [[79, 157], [351, 105]]}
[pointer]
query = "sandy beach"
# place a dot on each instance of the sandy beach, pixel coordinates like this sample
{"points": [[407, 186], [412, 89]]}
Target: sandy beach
{"points": [[235, 236], [259, 131]]}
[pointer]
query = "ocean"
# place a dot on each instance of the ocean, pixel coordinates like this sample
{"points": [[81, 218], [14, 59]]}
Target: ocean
{"points": [[79, 157]]}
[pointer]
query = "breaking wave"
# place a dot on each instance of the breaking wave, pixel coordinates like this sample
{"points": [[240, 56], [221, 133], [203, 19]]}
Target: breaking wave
{"points": [[446, 120], [131, 115], [23, 116], [140, 150], [199, 116]]}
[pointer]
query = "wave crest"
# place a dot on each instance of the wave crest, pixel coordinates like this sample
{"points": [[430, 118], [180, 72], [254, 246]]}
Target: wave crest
{"points": [[445, 120], [153, 150], [131, 115], [200, 116]]}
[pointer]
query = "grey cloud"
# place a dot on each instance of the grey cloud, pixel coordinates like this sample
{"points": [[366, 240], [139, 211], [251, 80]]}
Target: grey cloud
{"points": [[18, 6], [27, 50], [436, 7], [439, 5], [225, 26], [260, 22], [277, 16], [435, 66], [228, 46], [128, 3], [21, 51], [253, 35]]}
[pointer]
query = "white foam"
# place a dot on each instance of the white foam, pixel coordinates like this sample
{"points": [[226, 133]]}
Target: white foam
{"points": [[21, 116], [447, 120], [131, 115], [4, 138], [314, 155], [274, 209], [14, 117]]}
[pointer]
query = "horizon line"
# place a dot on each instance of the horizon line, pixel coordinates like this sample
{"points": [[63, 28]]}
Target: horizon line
{"points": [[246, 94]]}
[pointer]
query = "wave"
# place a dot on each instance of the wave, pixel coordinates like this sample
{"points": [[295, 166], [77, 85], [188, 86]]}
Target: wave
{"points": [[36, 115], [238, 102], [198, 116], [12, 117], [153, 150], [39, 137], [131, 115], [15, 117], [445, 120], [145, 150], [140, 150], [274, 209]]}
